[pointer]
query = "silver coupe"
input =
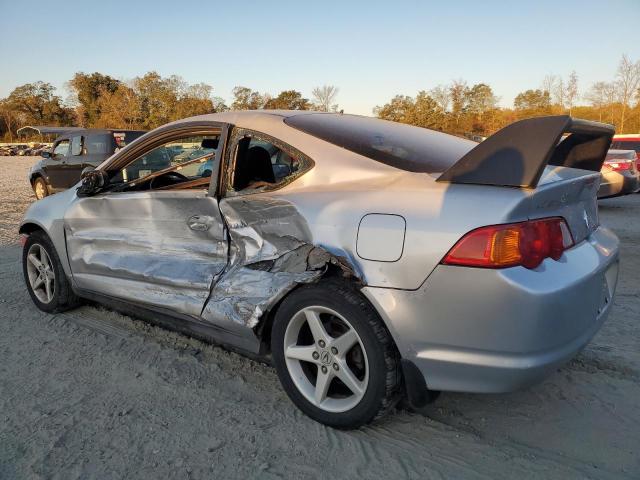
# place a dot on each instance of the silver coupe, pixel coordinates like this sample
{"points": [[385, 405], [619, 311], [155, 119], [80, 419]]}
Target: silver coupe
{"points": [[369, 261]]}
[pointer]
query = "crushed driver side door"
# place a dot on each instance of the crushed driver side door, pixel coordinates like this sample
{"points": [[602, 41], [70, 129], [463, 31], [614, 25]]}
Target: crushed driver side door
{"points": [[158, 248]]}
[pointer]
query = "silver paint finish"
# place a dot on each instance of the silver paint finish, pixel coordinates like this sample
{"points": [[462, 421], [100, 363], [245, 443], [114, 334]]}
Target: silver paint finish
{"points": [[42, 278], [467, 329], [482, 330], [271, 252], [140, 247], [381, 237], [48, 214], [328, 356]]}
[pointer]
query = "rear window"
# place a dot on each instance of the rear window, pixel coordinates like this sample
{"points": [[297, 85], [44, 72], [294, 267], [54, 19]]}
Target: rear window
{"points": [[629, 155], [99, 144], [401, 146], [626, 145], [125, 138], [107, 143]]}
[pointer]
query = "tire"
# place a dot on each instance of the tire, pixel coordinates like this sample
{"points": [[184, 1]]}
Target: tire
{"points": [[40, 188], [54, 293], [371, 365]]}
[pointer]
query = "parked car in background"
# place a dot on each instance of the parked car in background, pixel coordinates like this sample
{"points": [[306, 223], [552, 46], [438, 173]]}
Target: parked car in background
{"points": [[17, 149], [72, 152], [627, 142], [620, 175], [389, 261]]}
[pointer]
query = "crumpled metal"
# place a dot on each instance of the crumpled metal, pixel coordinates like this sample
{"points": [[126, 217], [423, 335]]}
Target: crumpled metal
{"points": [[272, 251]]}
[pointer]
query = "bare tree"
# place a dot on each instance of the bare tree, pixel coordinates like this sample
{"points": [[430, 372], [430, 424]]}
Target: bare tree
{"points": [[324, 97], [627, 82], [599, 96], [549, 83], [559, 93], [571, 91], [442, 97]]}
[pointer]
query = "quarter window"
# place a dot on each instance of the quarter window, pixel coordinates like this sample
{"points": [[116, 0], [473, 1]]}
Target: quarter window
{"points": [[76, 145], [61, 149], [264, 163]]}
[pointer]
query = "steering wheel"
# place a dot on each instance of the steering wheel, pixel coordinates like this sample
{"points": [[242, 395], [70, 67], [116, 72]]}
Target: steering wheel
{"points": [[166, 179]]}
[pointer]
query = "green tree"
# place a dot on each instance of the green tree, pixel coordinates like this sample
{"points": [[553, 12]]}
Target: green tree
{"points": [[288, 100], [426, 112], [247, 99], [157, 98], [87, 89], [533, 103], [399, 109], [36, 103], [119, 109]]}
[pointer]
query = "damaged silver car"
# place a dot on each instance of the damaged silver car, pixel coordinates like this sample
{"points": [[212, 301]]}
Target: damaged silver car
{"points": [[368, 260]]}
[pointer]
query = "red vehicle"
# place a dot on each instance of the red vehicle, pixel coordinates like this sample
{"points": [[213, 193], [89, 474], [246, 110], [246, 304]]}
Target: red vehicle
{"points": [[627, 142]]}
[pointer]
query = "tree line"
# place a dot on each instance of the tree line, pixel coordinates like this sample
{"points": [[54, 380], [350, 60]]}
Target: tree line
{"points": [[146, 102], [473, 110]]}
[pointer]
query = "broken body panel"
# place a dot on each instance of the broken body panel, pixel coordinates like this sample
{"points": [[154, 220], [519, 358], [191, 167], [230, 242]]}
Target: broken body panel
{"points": [[259, 246]]}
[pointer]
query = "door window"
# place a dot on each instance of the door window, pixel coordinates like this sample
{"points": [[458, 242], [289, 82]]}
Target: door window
{"points": [[76, 145], [61, 149], [184, 163], [264, 163]]}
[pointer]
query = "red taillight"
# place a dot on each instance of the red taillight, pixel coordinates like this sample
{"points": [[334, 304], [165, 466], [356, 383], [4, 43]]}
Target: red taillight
{"points": [[619, 166], [510, 245]]}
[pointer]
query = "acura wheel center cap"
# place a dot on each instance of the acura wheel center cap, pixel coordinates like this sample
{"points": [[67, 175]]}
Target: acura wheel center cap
{"points": [[325, 357]]}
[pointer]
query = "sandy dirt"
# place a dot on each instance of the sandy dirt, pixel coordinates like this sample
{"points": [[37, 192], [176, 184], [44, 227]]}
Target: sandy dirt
{"points": [[94, 394]]}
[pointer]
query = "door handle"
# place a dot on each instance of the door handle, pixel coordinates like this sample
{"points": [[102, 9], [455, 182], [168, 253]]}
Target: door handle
{"points": [[200, 223]]}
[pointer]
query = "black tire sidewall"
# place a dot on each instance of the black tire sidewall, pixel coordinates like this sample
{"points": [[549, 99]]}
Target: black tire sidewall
{"points": [[319, 295]]}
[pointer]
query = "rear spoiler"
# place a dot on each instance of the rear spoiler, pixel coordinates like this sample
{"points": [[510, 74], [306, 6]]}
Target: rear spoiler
{"points": [[517, 155]]}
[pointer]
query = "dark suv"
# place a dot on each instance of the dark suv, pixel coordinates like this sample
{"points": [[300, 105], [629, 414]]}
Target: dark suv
{"points": [[71, 153]]}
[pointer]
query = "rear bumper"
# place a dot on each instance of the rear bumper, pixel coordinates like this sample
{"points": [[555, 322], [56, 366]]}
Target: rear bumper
{"points": [[614, 184], [480, 330]]}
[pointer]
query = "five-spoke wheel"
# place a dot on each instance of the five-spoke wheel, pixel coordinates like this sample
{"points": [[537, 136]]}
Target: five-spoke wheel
{"points": [[334, 356], [326, 359], [44, 275], [40, 273]]}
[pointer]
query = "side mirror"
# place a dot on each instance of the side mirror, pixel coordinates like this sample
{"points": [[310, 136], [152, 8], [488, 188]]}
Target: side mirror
{"points": [[93, 181], [86, 170], [45, 154]]}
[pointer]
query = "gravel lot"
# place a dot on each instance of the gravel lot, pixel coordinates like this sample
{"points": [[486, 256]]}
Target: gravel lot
{"points": [[94, 394]]}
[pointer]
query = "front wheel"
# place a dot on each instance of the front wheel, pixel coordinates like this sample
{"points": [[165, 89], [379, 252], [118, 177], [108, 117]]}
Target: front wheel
{"points": [[334, 356], [45, 278], [40, 188]]}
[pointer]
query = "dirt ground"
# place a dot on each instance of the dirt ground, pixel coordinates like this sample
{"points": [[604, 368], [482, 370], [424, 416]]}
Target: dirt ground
{"points": [[94, 394]]}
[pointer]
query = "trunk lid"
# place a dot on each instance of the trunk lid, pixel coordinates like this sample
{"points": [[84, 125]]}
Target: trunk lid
{"points": [[569, 193]]}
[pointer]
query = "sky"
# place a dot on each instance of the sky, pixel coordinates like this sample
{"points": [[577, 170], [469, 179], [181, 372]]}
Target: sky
{"points": [[370, 50]]}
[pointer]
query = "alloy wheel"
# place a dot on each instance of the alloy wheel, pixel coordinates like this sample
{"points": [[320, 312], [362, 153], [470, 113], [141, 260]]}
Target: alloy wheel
{"points": [[326, 359], [40, 191], [40, 272]]}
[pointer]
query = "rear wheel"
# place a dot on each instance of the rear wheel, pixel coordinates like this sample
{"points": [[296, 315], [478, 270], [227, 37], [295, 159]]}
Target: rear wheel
{"points": [[40, 188], [45, 278], [334, 357]]}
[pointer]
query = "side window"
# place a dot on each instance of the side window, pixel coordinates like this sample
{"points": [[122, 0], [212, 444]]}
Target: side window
{"points": [[179, 164], [61, 149], [264, 162], [98, 144], [76, 145]]}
